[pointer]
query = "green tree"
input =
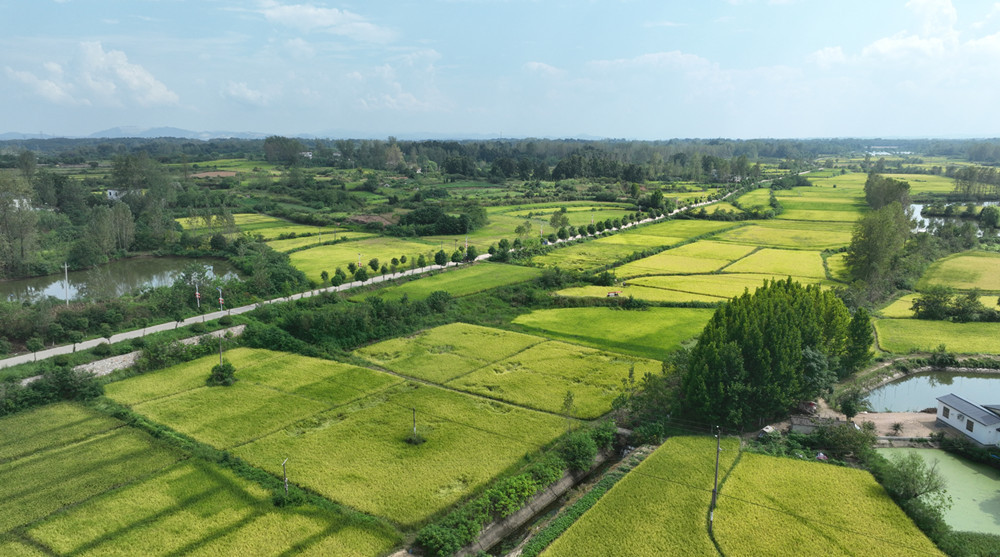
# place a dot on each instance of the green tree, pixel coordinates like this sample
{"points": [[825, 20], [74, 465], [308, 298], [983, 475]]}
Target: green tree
{"points": [[876, 246], [748, 364], [852, 402], [440, 258], [860, 337], [989, 217], [223, 375], [361, 274], [909, 477], [339, 277], [18, 226], [456, 256], [373, 263], [934, 302]]}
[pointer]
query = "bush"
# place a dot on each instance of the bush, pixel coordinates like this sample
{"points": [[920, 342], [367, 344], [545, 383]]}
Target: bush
{"points": [[198, 328], [223, 375], [604, 434], [102, 349], [579, 450]]}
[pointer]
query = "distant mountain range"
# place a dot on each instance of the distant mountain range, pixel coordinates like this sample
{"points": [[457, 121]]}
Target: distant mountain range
{"points": [[138, 131]]}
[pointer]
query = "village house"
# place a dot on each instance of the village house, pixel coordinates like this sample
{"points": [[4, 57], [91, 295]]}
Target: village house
{"points": [[979, 423]]}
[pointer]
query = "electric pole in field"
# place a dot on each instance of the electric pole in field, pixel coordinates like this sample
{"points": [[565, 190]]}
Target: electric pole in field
{"points": [[285, 473], [715, 486]]}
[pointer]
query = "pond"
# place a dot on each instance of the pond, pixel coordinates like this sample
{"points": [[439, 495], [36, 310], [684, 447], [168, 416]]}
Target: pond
{"points": [[924, 223], [974, 490], [920, 390], [111, 280]]}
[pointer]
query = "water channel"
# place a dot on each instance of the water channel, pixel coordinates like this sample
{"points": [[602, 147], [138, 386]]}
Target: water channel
{"points": [[111, 280], [974, 490], [920, 390]]}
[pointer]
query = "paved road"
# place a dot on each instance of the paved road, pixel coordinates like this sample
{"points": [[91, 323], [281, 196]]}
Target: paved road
{"points": [[70, 348]]}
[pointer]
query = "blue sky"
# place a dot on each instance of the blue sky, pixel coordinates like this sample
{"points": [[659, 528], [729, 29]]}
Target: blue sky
{"points": [[624, 69]]}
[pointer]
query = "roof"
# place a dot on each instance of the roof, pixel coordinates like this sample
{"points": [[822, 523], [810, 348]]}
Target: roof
{"points": [[975, 412]]}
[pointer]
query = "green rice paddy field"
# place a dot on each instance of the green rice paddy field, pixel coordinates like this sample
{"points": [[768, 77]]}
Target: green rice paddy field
{"points": [[964, 271], [77, 482], [653, 333], [458, 281], [767, 506], [314, 261], [658, 509], [906, 335], [522, 369]]}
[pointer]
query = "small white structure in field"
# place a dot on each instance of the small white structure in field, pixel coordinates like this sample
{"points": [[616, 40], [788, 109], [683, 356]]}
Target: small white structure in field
{"points": [[979, 423]]}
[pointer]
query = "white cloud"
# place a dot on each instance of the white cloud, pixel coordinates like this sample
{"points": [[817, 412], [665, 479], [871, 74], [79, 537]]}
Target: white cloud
{"points": [[97, 76], [52, 89], [939, 16], [544, 69], [827, 57], [241, 92], [110, 75], [300, 48], [308, 17]]}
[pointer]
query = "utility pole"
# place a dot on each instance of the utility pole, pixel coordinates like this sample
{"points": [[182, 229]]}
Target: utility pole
{"points": [[285, 473], [66, 282], [197, 296], [220, 298], [715, 487], [414, 423]]}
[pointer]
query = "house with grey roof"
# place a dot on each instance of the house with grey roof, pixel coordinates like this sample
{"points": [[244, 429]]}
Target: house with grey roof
{"points": [[979, 423]]}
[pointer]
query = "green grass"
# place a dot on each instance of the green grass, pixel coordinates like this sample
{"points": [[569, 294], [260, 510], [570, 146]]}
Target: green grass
{"points": [[445, 352], [195, 508], [653, 333], [760, 197], [837, 263], [609, 249], [906, 335], [315, 239], [710, 249], [964, 271], [540, 377], [357, 455], [276, 391], [782, 506], [50, 426], [639, 293], [659, 508], [805, 236], [721, 285], [314, 261], [781, 262], [36, 485], [458, 282]]}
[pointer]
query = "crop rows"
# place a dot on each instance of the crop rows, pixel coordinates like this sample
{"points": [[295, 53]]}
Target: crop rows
{"points": [[659, 508], [771, 506]]}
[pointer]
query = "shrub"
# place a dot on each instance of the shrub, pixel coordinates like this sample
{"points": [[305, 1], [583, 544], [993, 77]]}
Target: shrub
{"points": [[223, 375], [102, 349], [198, 328], [226, 320], [579, 450]]}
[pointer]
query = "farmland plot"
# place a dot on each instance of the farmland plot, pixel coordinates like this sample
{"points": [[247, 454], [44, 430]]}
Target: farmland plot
{"points": [[357, 455], [638, 292], [652, 334], [658, 509], [445, 352], [964, 271], [904, 335], [458, 282], [781, 262], [195, 508], [540, 377], [801, 504]]}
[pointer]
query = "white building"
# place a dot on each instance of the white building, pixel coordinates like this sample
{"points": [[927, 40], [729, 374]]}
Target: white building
{"points": [[979, 423]]}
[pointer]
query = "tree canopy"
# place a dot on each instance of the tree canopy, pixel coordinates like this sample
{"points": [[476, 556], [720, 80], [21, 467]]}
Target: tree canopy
{"points": [[762, 353]]}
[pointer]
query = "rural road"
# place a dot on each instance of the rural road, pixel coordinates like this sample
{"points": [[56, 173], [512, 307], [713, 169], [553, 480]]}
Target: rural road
{"points": [[127, 335]]}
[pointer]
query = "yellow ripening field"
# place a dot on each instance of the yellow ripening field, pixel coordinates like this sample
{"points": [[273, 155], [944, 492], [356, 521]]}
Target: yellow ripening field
{"points": [[781, 262], [964, 271], [781, 506]]}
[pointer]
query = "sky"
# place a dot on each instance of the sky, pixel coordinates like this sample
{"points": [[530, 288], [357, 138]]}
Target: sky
{"points": [[631, 69]]}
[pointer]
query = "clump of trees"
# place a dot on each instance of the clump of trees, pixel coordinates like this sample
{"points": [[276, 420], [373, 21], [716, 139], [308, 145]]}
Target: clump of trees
{"points": [[939, 302], [223, 375], [764, 352]]}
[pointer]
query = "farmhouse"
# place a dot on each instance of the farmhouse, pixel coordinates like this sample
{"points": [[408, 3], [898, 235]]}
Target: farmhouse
{"points": [[979, 423]]}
